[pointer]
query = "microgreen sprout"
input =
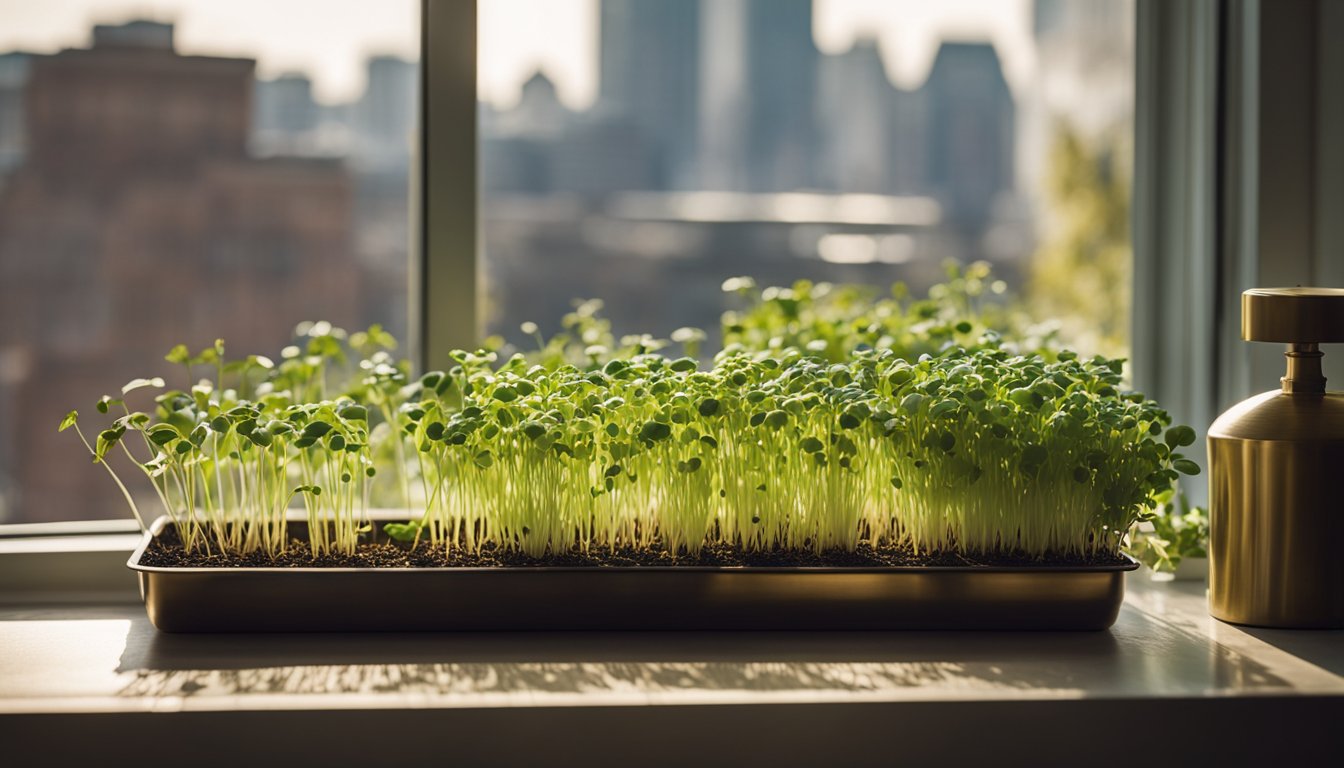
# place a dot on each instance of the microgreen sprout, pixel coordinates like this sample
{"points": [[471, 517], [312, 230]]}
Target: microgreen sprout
{"points": [[226, 469], [833, 321], [827, 421], [974, 451]]}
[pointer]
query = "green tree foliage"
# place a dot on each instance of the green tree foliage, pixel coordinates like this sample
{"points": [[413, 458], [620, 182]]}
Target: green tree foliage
{"points": [[1082, 273]]}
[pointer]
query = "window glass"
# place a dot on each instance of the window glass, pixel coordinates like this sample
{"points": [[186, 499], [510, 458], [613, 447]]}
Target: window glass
{"points": [[641, 152], [176, 171]]}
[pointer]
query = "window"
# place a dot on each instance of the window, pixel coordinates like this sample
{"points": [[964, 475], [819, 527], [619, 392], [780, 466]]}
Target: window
{"points": [[174, 171], [177, 170], [641, 152]]}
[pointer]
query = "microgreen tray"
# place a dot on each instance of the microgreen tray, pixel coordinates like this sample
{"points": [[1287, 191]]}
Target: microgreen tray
{"points": [[628, 598]]}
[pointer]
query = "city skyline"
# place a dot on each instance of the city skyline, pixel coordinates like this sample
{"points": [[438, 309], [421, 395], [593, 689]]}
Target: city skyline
{"points": [[735, 95], [560, 38]]}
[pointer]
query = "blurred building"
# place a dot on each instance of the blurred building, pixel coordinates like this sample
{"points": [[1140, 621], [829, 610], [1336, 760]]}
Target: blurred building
{"points": [[385, 118], [13, 78], [873, 134], [141, 34], [601, 155], [692, 95], [382, 126], [540, 147], [650, 55], [970, 140], [759, 83], [856, 102], [540, 114], [285, 117], [136, 220]]}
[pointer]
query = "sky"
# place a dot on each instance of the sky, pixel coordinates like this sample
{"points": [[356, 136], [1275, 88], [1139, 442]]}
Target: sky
{"points": [[329, 39]]}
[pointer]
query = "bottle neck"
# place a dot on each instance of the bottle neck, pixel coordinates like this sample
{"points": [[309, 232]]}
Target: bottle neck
{"points": [[1304, 370]]}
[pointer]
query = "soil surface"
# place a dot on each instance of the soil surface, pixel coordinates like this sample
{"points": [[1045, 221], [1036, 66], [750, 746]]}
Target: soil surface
{"points": [[166, 552]]}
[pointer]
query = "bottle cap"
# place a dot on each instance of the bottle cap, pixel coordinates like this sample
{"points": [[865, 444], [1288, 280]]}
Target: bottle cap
{"points": [[1293, 315]]}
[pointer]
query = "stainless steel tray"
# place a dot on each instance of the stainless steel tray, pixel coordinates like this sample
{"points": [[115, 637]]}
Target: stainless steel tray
{"points": [[649, 598]]}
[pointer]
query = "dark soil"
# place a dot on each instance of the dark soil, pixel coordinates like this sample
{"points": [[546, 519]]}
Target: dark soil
{"points": [[166, 551]]}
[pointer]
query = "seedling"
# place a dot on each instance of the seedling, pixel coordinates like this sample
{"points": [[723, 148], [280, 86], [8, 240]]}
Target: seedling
{"points": [[971, 451], [226, 468], [1174, 531], [834, 321], [826, 423]]}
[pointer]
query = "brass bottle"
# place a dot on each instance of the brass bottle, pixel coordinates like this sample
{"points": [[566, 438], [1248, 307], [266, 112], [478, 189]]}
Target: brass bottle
{"points": [[1276, 462]]}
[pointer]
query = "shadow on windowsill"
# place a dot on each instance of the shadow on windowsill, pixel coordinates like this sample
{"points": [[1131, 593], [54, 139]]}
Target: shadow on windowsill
{"points": [[1323, 647], [473, 665]]}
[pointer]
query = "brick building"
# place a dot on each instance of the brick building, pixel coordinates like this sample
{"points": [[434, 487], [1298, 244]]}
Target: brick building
{"points": [[136, 221]]}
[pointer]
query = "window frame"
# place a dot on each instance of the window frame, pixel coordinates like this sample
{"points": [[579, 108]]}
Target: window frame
{"points": [[446, 283]]}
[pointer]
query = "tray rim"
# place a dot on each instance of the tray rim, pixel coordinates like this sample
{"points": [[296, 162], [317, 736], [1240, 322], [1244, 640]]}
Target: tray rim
{"points": [[156, 527]]}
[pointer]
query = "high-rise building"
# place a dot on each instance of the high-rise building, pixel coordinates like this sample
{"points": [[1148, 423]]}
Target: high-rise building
{"points": [[873, 134], [908, 143], [650, 59], [759, 81], [970, 132], [385, 117], [854, 115]]}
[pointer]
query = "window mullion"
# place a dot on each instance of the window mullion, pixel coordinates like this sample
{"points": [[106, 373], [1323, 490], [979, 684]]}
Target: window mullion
{"points": [[446, 306]]}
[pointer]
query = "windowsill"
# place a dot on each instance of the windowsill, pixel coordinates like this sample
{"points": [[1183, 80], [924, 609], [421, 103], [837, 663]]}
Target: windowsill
{"points": [[67, 563], [81, 666]]}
